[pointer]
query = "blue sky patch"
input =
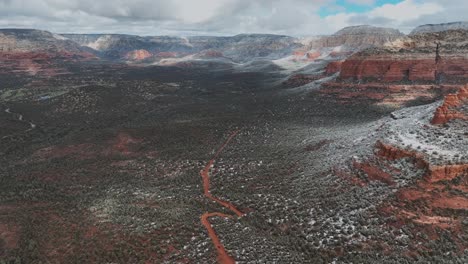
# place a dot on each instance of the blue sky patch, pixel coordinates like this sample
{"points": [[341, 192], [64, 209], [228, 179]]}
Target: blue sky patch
{"points": [[343, 6]]}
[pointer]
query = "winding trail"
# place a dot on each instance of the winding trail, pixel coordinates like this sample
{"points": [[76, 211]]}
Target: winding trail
{"points": [[223, 256]]}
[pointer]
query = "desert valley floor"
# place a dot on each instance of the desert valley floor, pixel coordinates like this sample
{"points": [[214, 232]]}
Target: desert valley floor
{"points": [[106, 162]]}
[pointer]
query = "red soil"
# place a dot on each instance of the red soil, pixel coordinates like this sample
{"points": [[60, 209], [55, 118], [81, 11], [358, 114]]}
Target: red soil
{"points": [[349, 177], [451, 202], [374, 172], [223, 256], [122, 144], [9, 234]]}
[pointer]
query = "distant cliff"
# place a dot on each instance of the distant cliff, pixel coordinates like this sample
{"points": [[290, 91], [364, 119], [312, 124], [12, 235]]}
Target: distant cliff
{"points": [[431, 28]]}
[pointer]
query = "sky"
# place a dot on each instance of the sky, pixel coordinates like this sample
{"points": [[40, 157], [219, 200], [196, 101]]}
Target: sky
{"points": [[225, 17]]}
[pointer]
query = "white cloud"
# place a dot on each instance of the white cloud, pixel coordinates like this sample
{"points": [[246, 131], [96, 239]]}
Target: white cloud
{"points": [[406, 10], [154, 17], [405, 15], [361, 2]]}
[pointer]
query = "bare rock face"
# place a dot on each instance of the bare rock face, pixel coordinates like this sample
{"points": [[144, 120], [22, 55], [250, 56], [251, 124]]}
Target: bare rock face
{"points": [[448, 110], [431, 28], [432, 57], [397, 68], [333, 67]]}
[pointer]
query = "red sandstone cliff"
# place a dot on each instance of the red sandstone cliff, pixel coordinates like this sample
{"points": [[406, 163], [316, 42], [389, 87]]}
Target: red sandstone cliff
{"points": [[421, 58], [434, 173], [448, 110], [333, 67], [397, 68]]}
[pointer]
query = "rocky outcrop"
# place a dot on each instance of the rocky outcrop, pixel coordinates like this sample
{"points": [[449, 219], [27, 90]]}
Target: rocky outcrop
{"points": [[394, 153], [392, 95], [138, 55], [446, 172], [431, 28], [408, 67], [448, 110], [434, 173], [333, 67]]}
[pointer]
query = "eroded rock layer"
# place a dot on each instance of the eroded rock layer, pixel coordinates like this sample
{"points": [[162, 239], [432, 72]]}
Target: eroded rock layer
{"points": [[448, 110]]}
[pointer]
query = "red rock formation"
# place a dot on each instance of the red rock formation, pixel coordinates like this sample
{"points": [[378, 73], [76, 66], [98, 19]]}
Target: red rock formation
{"points": [[392, 95], [434, 173], [430, 203], [313, 55], [396, 68], [447, 112], [39, 63], [374, 173], [333, 67], [424, 70], [446, 172], [137, 55], [394, 153]]}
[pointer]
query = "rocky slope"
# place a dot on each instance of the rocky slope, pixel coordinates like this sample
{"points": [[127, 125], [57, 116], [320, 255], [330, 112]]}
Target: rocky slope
{"points": [[31, 40], [431, 28], [422, 170], [37, 52]]}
